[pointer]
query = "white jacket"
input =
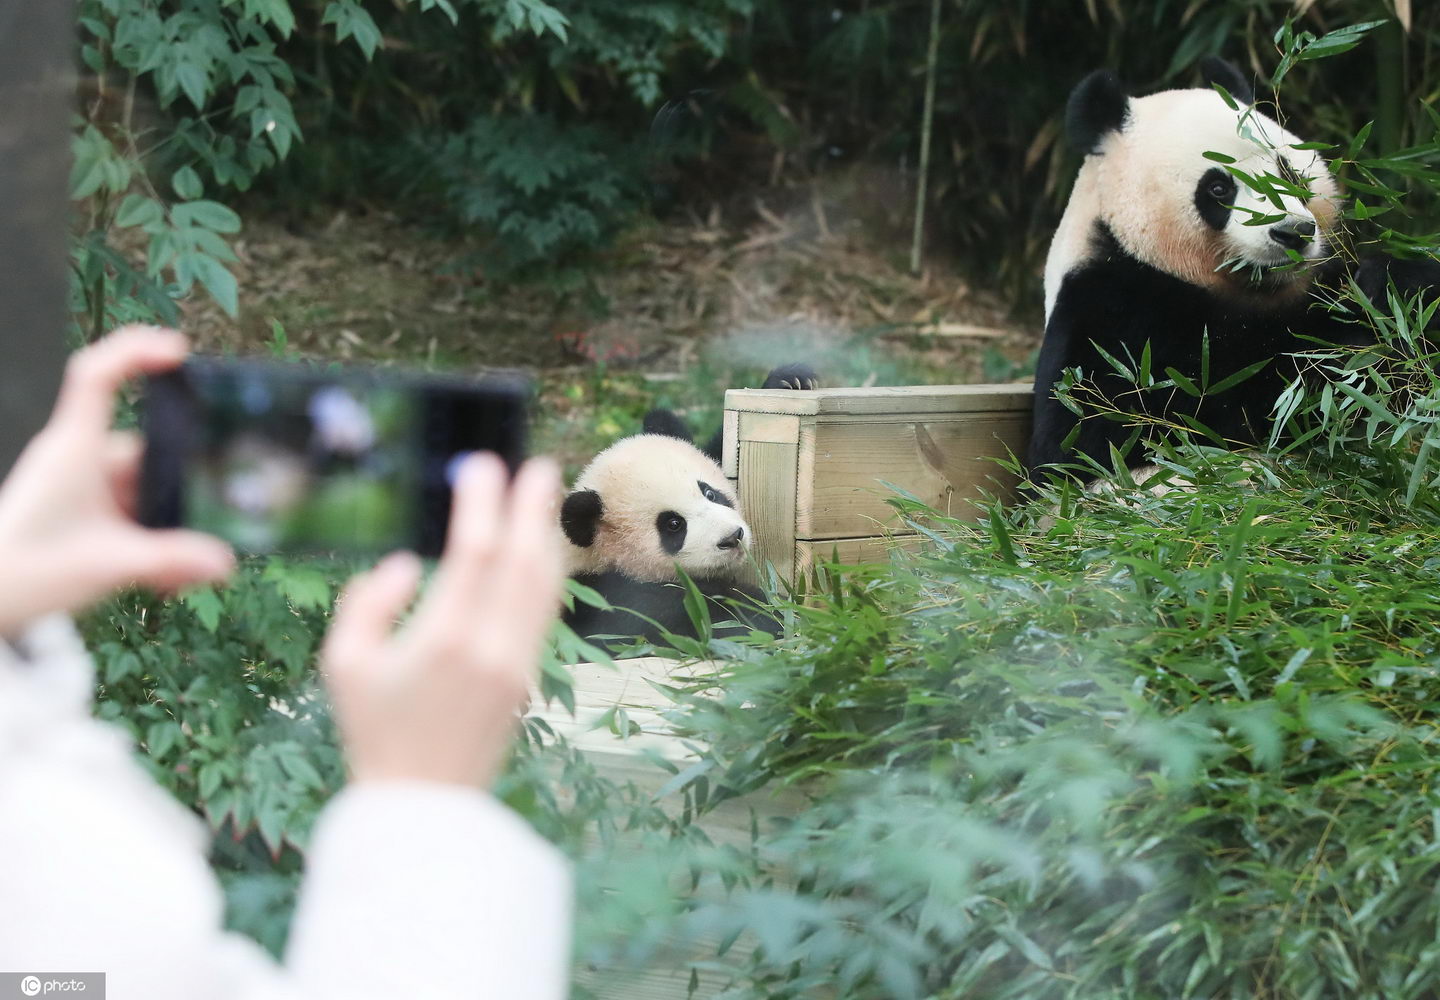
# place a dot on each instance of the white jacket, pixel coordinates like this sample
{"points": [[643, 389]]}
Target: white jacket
{"points": [[412, 890]]}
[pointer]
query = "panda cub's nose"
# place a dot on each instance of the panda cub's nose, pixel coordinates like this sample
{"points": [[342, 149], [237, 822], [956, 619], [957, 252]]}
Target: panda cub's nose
{"points": [[1294, 235], [732, 540]]}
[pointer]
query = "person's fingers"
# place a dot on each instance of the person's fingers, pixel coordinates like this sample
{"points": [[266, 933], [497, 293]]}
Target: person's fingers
{"points": [[530, 561], [122, 468], [475, 510], [367, 611], [525, 586], [170, 560], [95, 373], [475, 529], [125, 556], [536, 491]]}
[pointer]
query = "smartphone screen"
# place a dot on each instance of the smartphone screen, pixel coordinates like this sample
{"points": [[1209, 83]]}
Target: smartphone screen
{"points": [[277, 457]]}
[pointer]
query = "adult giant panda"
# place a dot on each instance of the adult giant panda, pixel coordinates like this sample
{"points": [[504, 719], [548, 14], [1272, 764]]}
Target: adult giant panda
{"points": [[1154, 247], [649, 505]]}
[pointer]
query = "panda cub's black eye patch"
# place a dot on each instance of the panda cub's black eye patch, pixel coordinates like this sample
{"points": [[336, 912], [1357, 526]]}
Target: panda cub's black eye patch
{"points": [[1213, 196], [713, 495], [671, 528], [1289, 174]]}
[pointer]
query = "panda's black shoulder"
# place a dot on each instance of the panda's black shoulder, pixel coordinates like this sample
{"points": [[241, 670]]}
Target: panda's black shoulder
{"points": [[1112, 286], [1377, 275]]}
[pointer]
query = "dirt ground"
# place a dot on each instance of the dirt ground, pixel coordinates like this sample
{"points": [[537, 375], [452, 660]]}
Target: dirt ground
{"points": [[667, 315]]}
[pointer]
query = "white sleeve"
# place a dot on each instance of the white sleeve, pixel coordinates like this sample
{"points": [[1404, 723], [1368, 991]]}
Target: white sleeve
{"points": [[411, 890], [428, 890]]}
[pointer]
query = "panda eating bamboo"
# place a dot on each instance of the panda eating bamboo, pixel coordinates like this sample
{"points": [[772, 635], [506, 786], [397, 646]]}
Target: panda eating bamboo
{"points": [[1209, 233]]}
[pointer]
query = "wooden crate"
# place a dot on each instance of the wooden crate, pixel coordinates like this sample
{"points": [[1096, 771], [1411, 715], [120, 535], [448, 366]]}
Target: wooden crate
{"points": [[811, 467]]}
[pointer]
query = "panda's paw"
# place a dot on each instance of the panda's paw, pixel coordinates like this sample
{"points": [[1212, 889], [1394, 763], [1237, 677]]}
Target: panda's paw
{"points": [[1147, 479], [792, 376]]}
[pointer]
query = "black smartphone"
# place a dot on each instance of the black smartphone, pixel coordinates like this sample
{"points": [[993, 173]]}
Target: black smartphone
{"points": [[278, 456]]}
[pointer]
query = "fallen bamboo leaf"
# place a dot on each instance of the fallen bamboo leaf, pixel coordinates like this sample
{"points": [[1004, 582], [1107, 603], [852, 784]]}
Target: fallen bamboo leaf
{"points": [[960, 330]]}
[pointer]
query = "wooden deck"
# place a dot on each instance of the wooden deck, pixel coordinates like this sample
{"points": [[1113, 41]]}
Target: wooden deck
{"points": [[630, 685]]}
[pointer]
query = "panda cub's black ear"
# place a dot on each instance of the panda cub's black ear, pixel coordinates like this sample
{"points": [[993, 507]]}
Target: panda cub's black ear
{"points": [[666, 423], [1098, 106], [1215, 70], [580, 517]]}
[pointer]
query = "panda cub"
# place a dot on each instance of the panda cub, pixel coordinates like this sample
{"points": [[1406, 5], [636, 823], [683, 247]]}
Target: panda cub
{"points": [[650, 504], [1154, 246]]}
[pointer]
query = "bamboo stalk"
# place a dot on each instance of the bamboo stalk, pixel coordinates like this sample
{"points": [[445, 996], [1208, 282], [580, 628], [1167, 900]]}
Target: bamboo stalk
{"points": [[1390, 85], [927, 126]]}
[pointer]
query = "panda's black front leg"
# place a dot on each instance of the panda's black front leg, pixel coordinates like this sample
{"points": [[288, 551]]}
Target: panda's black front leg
{"points": [[1375, 276], [1052, 422]]}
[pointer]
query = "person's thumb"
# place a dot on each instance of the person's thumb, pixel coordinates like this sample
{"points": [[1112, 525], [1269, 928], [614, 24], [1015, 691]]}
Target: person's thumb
{"points": [[168, 560], [86, 566]]}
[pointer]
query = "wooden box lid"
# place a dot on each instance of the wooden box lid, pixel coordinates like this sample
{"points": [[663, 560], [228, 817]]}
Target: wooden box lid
{"points": [[884, 399]]}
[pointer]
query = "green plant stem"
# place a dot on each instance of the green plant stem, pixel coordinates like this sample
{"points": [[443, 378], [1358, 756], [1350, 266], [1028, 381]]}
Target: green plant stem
{"points": [[927, 126], [1390, 85]]}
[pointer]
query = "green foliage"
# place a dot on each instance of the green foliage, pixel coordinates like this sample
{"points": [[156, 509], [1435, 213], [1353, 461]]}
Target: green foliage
{"points": [[198, 93], [227, 91], [217, 689], [1103, 746], [544, 191], [1304, 45], [1352, 401], [537, 145], [215, 71]]}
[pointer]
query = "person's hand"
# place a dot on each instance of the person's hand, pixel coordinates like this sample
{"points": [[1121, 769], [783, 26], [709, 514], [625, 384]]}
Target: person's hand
{"points": [[67, 534], [438, 698]]}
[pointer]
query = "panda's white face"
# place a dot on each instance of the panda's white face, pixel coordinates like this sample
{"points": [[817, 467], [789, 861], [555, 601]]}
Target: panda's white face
{"points": [[659, 503], [1215, 196]]}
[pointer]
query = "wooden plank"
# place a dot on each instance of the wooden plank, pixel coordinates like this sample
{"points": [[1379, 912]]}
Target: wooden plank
{"points": [[767, 499], [805, 481], [775, 428], [946, 463], [667, 983], [852, 551], [630, 684], [917, 399], [730, 444]]}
